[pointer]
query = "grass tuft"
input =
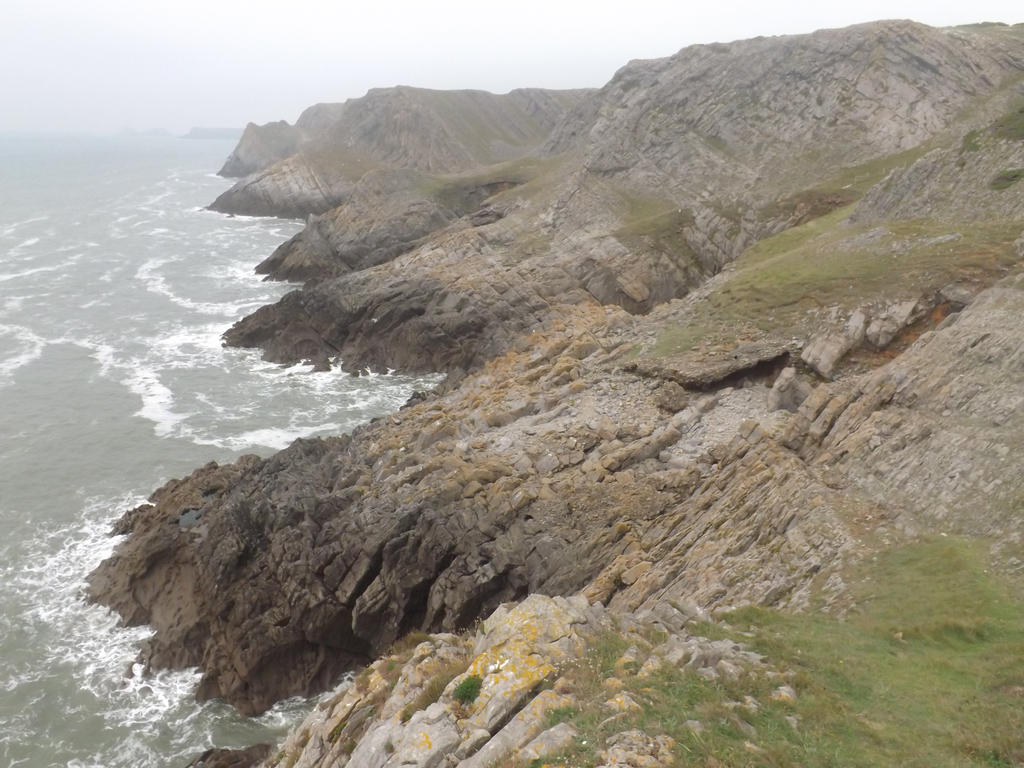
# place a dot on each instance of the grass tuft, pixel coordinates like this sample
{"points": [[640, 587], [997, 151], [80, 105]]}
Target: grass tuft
{"points": [[434, 687], [1007, 178], [1010, 126], [468, 689]]}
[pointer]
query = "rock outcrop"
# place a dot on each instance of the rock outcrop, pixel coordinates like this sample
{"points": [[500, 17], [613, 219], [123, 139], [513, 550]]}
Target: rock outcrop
{"points": [[406, 709], [971, 181], [260, 146], [293, 171]]}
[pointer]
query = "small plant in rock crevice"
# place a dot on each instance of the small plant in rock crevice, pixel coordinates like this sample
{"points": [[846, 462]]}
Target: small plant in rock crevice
{"points": [[466, 691]]}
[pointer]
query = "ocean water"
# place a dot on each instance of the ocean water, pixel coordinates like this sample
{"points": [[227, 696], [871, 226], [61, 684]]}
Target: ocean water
{"points": [[115, 286]]}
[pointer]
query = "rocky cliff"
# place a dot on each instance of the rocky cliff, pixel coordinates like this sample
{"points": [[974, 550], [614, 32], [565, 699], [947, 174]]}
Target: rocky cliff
{"points": [[293, 171], [619, 207], [745, 317]]}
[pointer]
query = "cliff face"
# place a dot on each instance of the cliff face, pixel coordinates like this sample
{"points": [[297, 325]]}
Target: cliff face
{"points": [[688, 366], [260, 146], [646, 189], [293, 171]]}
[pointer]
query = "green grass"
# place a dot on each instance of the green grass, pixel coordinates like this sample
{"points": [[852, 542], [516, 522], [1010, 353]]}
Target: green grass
{"points": [[463, 192], [927, 670], [777, 283], [468, 689], [1007, 178], [663, 233], [434, 687], [971, 142], [1010, 126]]}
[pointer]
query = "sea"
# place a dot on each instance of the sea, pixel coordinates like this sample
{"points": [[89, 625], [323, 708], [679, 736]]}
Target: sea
{"points": [[115, 287]]}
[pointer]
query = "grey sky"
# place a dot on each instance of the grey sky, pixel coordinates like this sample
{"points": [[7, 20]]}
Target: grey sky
{"points": [[104, 65]]}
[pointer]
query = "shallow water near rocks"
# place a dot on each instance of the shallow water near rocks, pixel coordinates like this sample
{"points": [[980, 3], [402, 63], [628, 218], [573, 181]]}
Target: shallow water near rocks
{"points": [[115, 286]]}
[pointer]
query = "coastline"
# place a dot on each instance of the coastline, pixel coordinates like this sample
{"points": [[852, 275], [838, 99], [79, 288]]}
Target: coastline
{"points": [[618, 427]]}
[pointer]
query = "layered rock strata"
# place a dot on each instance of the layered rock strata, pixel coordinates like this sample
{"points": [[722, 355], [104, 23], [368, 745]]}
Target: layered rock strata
{"points": [[643, 191], [550, 471], [310, 167], [387, 718]]}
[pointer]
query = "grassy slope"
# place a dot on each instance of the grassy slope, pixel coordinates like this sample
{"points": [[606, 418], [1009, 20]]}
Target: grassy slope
{"points": [[778, 284], [926, 670]]}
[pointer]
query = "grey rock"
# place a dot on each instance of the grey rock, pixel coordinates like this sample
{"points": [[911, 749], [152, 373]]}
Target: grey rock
{"points": [[472, 743], [425, 741], [231, 758], [636, 748], [825, 351], [261, 146], [519, 731], [551, 742], [788, 391], [653, 135], [887, 323]]}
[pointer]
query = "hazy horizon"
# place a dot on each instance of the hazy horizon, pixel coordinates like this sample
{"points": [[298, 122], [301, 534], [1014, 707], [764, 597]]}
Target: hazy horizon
{"points": [[115, 66]]}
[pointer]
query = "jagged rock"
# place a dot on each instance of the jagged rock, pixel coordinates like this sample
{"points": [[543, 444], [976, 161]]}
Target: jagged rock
{"points": [[825, 351], [622, 702], [551, 742], [308, 168], [788, 391], [542, 466], [956, 179], [638, 750], [261, 146], [717, 368], [368, 723], [232, 758], [887, 323], [304, 557], [383, 216], [957, 294], [626, 218], [520, 731], [934, 430], [784, 693]]}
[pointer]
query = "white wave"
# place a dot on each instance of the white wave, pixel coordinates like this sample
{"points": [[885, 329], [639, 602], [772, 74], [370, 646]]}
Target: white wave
{"points": [[13, 227], [156, 283], [13, 304], [241, 271], [30, 347], [36, 270], [157, 198], [147, 719], [157, 401], [267, 437]]}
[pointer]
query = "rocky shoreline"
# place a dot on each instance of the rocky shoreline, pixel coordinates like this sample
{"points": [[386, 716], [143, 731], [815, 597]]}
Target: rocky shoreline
{"points": [[712, 333]]}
